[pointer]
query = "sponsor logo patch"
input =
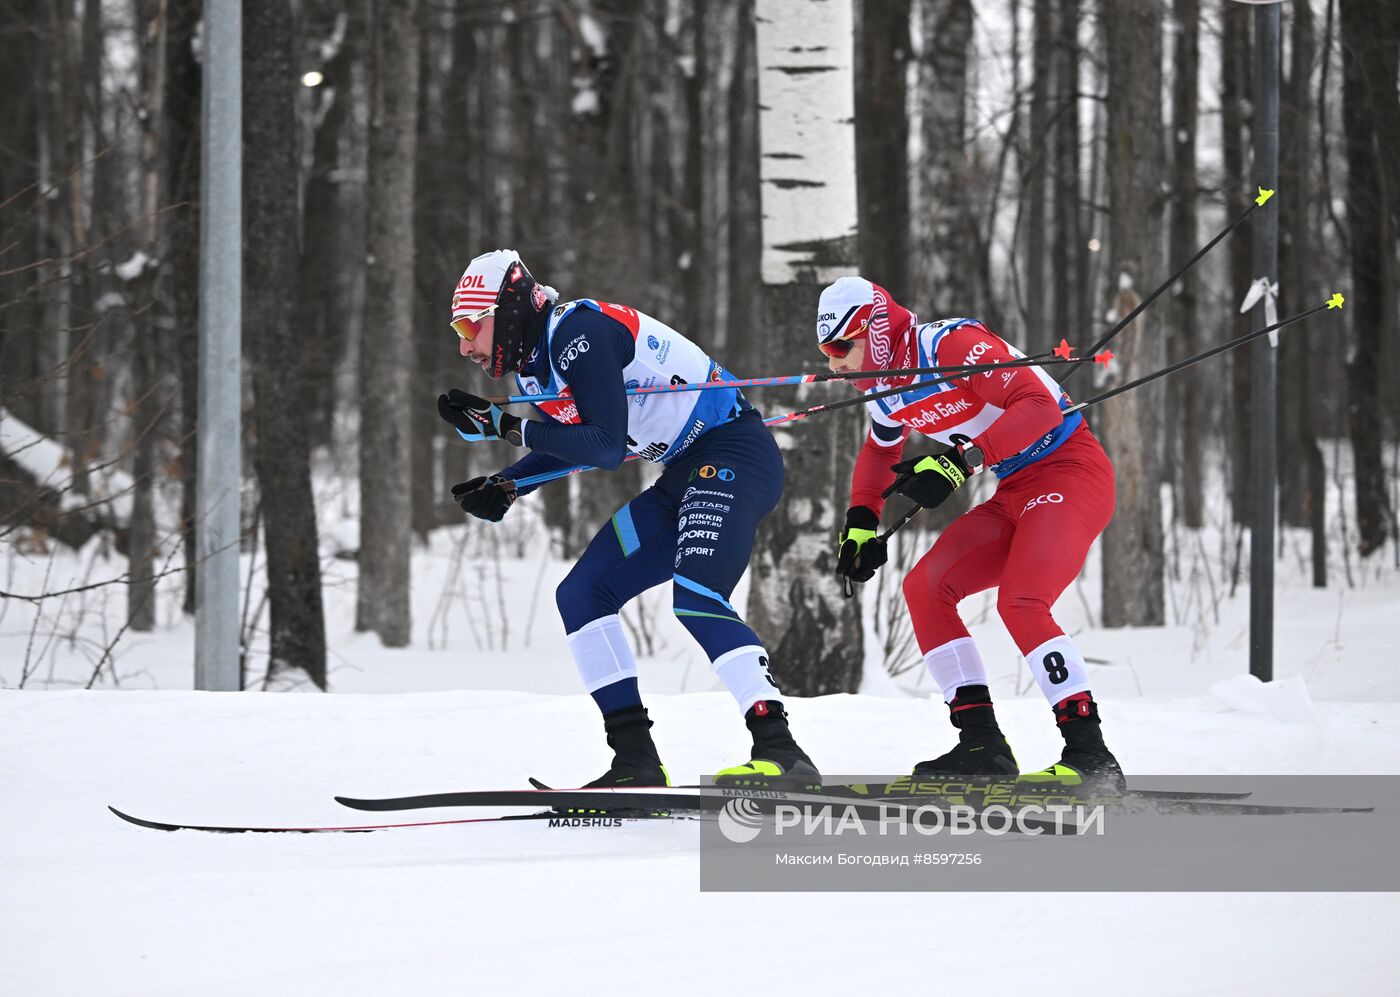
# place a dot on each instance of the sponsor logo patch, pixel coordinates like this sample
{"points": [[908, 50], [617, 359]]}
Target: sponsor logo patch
{"points": [[1050, 498]]}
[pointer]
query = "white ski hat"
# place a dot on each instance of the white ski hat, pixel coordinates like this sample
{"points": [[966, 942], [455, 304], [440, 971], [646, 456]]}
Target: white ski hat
{"points": [[481, 282], [844, 309]]}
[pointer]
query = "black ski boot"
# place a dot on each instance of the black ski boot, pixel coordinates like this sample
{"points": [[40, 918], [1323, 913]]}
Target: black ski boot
{"points": [[1086, 763], [635, 761], [776, 761], [981, 750]]}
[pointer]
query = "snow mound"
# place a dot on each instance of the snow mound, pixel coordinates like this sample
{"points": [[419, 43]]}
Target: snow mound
{"points": [[1286, 700]]}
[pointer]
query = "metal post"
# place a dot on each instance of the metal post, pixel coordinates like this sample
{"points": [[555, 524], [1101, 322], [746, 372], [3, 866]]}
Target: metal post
{"points": [[220, 326], [1263, 485]]}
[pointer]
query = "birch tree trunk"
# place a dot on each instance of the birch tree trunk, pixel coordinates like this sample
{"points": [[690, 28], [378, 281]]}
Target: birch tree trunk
{"points": [[808, 185], [386, 344], [1131, 429]]}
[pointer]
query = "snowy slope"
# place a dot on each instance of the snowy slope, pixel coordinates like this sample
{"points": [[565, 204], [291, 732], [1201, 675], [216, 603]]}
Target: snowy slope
{"points": [[92, 905]]}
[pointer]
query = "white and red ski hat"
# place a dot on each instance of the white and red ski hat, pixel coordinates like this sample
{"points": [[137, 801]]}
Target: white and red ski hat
{"points": [[481, 282], [844, 310], [853, 307]]}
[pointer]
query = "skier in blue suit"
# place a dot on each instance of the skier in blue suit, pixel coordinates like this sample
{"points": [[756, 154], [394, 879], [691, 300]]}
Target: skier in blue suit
{"points": [[693, 528]]}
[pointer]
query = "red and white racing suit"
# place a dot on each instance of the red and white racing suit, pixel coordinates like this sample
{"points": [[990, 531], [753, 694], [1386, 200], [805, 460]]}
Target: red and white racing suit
{"points": [[1030, 539]]}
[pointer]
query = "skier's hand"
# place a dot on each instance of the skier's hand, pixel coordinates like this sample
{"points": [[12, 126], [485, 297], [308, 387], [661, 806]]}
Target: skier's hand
{"points": [[476, 419], [859, 551], [930, 480], [486, 498]]}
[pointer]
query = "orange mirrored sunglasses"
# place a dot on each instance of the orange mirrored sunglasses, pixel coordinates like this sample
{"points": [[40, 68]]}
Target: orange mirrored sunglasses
{"points": [[468, 326], [837, 348]]}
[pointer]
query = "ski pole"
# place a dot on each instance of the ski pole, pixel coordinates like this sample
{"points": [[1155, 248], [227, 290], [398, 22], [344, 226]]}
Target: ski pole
{"points": [[1335, 301], [1058, 356], [777, 420], [1263, 198]]}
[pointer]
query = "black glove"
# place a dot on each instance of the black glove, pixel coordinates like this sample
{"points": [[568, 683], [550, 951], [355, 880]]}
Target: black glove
{"points": [[486, 498], [930, 480], [477, 419], [859, 551]]}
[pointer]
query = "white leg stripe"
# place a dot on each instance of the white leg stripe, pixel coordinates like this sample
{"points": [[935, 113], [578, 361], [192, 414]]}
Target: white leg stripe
{"points": [[954, 664], [601, 653], [744, 671]]}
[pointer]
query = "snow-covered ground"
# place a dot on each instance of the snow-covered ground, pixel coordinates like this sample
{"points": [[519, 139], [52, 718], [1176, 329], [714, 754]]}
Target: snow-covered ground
{"points": [[485, 698], [91, 905]]}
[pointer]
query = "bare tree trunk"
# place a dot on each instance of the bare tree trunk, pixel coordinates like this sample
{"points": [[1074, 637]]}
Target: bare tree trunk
{"points": [[147, 391], [1033, 176], [146, 411], [180, 260], [952, 256], [1187, 393], [809, 221], [720, 42], [1133, 592], [1370, 51], [882, 143], [83, 401], [1236, 75], [943, 173], [1068, 263], [746, 202], [272, 267], [387, 345], [1302, 472], [435, 345], [323, 308], [21, 333]]}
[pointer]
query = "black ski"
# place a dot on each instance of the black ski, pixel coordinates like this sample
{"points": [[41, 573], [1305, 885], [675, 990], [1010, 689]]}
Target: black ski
{"points": [[1225, 808], [672, 798], [906, 788], [677, 798], [553, 818]]}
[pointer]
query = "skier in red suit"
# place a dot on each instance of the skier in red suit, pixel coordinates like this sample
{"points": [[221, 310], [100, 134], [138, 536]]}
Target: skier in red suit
{"points": [[1054, 495]]}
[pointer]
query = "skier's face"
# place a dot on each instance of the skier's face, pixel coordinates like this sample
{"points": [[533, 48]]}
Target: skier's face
{"points": [[853, 359], [478, 350]]}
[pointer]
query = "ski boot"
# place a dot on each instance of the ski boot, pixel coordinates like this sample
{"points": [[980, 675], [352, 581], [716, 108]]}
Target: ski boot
{"points": [[635, 764], [635, 761], [776, 761], [981, 750], [1086, 765]]}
